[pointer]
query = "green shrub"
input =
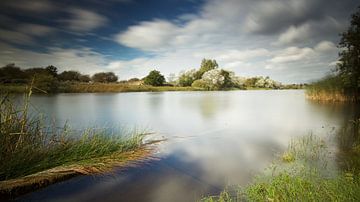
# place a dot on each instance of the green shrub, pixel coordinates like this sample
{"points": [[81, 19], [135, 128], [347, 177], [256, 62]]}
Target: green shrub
{"points": [[154, 78]]}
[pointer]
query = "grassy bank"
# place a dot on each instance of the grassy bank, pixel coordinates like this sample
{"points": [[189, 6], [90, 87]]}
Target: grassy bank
{"points": [[114, 87], [307, 172], [30, 149], [97, 88], [330, 89]]}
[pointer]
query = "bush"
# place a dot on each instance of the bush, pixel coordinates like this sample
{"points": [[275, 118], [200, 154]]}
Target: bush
{"points": [[154, 78], [45, 82], [104, 77], [187, 78], [200, 84]]}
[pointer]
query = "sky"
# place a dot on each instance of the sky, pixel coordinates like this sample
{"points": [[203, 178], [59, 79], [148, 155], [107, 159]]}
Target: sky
{"points": [[292, 41]]}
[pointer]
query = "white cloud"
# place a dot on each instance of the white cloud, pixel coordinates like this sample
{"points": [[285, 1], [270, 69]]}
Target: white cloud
{"points": [[35, 29], [148, 35], [250, 37], [295, 34], [31, 6], [15, 37], [325, 46], [292, 54], [84, 20]]}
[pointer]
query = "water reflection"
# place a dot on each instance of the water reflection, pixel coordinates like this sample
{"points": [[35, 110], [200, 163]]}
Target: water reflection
{"points": [[214, 139]]}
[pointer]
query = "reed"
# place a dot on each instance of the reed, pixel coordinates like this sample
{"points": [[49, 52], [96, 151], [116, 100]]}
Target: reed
{"points": [[34, 154]]}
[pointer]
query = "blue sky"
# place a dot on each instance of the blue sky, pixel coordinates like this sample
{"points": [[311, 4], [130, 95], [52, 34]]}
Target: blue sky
{"points": [[291, 41]]}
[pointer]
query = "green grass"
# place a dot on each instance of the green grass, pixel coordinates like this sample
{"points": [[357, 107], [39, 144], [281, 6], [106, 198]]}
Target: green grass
{"points": [[99, 87], [78, 87], [28, 146], [331, 89], [307, 172]]}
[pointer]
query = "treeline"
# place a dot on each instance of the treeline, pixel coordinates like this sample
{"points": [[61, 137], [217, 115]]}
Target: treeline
{"points": [[344, 82], [48, 79], [210, 76]]}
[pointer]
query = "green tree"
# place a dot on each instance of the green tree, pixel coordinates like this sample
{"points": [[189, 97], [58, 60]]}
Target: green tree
{"points": [[31, 72], [154, 78], [69, 76], [187, 78], [12, 74], [206, 65], [52, 70], [104, 77], [349, 65], [84, 78], [45, 82]]}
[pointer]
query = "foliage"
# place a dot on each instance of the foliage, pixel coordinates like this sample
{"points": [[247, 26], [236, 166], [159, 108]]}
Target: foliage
{"points": [[133, 80], [344, 85], [69, 76], [349, 65], [28, 146], [154, 78], [187, 78], [329, 88], [238, 81], [12, 74], [104, 77], [200, 84], [206, 65], [261, 82], [45, 82], [84, 78], [214, 80], [302, 174], [52, 70]]}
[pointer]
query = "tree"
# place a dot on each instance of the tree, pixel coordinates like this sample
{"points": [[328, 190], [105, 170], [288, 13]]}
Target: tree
{"points": [[349, 65], [12, 74], [45, 82], [214, 80], [52, 70], [69, 76], [187, 78], [206, 65], [154, 78], [36, 71], [104, 77], [84, 78]]}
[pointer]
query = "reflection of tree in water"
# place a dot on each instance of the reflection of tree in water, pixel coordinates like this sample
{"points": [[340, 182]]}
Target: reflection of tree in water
{"points": [[211, 105], [155, 100], [348, 140], [348, 134]]}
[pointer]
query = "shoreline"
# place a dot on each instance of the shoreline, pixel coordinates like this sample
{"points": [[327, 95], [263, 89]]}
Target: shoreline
{"points": [[12, 188], [120, 88]]}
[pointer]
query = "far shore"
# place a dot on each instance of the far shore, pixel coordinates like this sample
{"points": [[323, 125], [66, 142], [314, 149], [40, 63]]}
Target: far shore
{"points": [[118, 88]]}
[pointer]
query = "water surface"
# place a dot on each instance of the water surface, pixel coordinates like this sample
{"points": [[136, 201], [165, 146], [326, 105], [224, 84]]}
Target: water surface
{"points": [[214, 139]]}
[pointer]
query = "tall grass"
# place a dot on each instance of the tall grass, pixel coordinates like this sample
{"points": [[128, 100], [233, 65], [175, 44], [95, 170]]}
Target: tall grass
{"points": [[28, 146], [99, 88], [304, 173], [330, 88]]}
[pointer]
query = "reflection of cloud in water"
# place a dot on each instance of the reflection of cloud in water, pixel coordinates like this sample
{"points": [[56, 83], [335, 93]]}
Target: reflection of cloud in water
{"points": [[214, 139]]}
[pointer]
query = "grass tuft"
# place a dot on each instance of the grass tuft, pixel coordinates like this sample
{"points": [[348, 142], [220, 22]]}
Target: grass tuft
{"points": [[303, 173], [34, 155]]}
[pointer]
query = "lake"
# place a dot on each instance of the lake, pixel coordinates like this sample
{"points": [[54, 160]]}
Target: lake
{"points": [[214, 139]]}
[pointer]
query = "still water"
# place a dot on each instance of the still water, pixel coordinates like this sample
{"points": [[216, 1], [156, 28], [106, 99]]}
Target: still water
{"points": [[214, 139]]}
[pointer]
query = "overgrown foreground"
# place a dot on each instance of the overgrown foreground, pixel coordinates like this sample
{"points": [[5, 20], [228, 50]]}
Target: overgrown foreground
{"points": [[308, 171], [28, 146]]}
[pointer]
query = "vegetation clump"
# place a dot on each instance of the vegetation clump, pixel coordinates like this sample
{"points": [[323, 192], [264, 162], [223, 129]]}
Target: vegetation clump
{"points": [[305, 172], [155, 78], [344, 84], [29, 146]]}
